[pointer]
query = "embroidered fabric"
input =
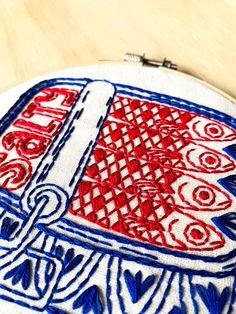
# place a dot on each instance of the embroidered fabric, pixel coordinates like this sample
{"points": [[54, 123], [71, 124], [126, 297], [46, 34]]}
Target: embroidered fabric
{"points": [[116, 198]]}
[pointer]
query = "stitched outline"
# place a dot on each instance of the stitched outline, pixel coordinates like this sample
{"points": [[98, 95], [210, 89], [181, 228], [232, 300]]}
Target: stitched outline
{"points": [[100, 124], [118, 287], [163, 98], [181, 294], [191, 256], [193, 293], [135, 95], [233, 297], [108, 287], [82, 284], [150, 300], [78, 274], [165, 295], [124, 240]]}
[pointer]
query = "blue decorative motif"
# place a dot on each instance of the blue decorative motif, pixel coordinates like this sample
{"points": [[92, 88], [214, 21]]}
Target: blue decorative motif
{"points": [[151, 299], [8, 228], [229, 183], [213, 301], [89, 300], [231, 150], [136, 286], [59, 251], [175, 310], [71, 261], [227, 224], [69, 256], [21, 273]]}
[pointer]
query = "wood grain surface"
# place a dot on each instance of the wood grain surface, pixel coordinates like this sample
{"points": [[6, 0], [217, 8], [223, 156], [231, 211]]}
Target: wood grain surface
{"points": [[41, 36]]}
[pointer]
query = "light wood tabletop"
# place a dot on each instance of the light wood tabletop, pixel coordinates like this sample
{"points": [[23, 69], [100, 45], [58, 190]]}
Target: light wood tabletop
{"points": [[41, 36]]}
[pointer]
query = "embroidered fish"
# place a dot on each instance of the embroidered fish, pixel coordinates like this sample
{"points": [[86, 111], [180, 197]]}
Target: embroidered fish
{"points": [[135, 217], [176, 231], [204, 129], [139, 183], [170, 151], [151, 114], [192, 158], [150, 180]]}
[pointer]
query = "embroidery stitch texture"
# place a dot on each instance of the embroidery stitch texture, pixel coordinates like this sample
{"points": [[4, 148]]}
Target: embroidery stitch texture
{"points": [[149, 186]]}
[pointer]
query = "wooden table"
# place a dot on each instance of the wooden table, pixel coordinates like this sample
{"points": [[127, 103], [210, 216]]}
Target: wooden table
{"points": [[41, 36]]}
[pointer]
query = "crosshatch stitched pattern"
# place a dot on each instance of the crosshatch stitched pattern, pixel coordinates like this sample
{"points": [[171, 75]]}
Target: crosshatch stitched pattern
{"points": [[141, 179], [150, 227]]}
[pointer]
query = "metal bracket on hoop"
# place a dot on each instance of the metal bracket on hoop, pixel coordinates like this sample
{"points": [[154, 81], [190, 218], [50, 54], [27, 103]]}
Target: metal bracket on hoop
{"points": [[130, 57], [134, 58]]}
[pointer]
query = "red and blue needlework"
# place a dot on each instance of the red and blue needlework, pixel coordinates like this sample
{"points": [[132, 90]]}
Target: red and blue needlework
{"points": [[114, 199]]}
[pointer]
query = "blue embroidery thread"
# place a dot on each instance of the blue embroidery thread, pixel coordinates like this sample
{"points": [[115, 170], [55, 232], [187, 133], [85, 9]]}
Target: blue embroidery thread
{"points": [[227, 224], [22, 272], [136, 286], [213, 301], [89, 300], [229, 183]]}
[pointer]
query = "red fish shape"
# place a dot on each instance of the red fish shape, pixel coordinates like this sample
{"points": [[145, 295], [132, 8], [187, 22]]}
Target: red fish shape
{"points": [[167, 150], [138, 181], [205, 129], [158, 116], [142, 219]]}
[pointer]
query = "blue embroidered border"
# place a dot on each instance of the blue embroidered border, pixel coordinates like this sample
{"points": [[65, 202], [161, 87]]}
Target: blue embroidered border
{"points": [[135, 92]]}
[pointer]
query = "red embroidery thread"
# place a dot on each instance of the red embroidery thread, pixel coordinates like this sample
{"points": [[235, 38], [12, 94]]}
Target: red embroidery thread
{"points": [[26, 144], [138, 182], [29, 140], [15, 173], [51, 93]]}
